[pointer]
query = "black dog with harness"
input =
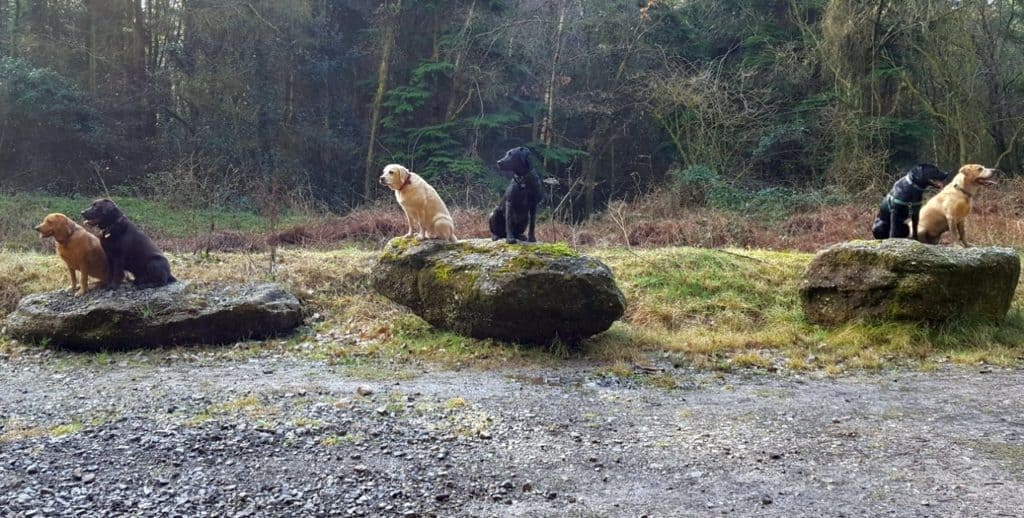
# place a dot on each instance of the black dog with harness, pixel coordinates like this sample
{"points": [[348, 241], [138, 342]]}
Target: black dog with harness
{"points": [[515, 217], [904, 202]]}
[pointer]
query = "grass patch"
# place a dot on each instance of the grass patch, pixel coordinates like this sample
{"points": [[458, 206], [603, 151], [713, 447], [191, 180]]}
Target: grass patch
{"points": [[250, 407], [25, 211], [709, 309], [16, 430], [742, 309]]}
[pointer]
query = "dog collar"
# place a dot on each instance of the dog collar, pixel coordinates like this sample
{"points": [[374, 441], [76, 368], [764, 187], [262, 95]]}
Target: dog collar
{"points": [[961, 189], [406, 183], [519, 180], [109, 231]]}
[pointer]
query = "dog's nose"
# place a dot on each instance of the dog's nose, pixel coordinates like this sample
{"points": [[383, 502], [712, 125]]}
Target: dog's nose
{"points": [[37, 227]]}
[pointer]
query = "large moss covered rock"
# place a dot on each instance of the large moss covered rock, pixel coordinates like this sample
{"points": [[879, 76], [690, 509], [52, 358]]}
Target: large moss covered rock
{"points": [[179, 313], [527, 293], [900, 279]]}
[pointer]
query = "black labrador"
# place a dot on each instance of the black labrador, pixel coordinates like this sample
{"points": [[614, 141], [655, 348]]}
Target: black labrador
{"points": [[518, 208], [127, 248], [904, 201]]}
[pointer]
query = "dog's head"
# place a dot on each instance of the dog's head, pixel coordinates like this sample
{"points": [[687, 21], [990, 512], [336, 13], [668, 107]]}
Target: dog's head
{"points": [[927, 175], [57, 226], [395, 177], [102, 213], [516, 160], [978, 175]]}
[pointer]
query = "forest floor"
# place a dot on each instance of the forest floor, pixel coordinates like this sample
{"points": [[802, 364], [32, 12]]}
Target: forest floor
{"points": [[187, 434]]}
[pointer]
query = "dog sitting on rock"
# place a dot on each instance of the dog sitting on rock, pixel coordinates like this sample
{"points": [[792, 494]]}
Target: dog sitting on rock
{"points": [[425, 211], [948, 210], [80, 250], [517, 211], [904, 202], [127, 248]]}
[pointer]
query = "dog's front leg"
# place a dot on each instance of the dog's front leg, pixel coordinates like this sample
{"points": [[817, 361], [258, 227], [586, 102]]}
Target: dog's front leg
{"points": [[510, 237], [408, 222], [116, 274], [915, 215], [531, 237], [963, 234], [85, 284], [954, 230], [74, 279]]}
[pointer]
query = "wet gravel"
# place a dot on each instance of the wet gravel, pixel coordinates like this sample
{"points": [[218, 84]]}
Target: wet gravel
{"points": [[289, 437]]}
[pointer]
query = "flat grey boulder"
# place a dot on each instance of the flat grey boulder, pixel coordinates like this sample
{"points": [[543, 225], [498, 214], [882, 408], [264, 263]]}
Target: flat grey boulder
{"points": [[526, 292], [900, 279], [180, 313]]}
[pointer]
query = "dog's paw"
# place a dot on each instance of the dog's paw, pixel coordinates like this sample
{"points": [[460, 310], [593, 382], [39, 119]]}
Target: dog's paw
{"points": [[532, 239], [511, 240], [495, 238]]}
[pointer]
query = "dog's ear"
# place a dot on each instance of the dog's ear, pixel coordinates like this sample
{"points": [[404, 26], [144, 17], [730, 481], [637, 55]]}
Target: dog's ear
{"points": [[69, 225]]}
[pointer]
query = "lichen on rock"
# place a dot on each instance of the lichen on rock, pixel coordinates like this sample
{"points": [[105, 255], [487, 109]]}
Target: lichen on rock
{"points": [[900, 279], [528, 293]]}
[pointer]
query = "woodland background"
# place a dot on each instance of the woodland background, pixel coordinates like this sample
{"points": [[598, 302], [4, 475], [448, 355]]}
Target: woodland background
{"points": [[229, 102]]}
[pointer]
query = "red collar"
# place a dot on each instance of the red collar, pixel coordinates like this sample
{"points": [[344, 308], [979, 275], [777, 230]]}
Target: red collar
{"points": [[408, 180]]}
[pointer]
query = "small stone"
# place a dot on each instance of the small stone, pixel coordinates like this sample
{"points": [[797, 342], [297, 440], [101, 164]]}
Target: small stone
{"points": [[766, 500], [364, 391]]}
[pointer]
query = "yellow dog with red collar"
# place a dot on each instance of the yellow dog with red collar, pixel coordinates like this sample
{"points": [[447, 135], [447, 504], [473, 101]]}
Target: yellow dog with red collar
{"points": [[425, 211]]}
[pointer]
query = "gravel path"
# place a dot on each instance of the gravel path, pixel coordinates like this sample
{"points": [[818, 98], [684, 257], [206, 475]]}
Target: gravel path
{"points": [[287, 437]]}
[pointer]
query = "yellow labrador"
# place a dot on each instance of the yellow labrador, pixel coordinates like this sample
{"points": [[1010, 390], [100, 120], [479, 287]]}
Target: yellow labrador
{"points": [[424, 209], [948, 209]]}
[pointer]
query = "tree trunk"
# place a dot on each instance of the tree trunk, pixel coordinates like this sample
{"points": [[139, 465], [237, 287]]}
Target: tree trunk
{"points": [[452, 109], [611, 170], [590, 174], [137, 76], [5, 21], [547, 127], [90, 46], [378, 98]]}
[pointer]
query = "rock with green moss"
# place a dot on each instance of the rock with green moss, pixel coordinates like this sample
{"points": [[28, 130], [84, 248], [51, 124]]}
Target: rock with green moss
{"points": [[177, 314], [526, 293], [900, 279]]}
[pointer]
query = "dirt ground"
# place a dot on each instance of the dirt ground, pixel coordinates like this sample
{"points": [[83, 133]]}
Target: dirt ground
{"points": [[276, 436]]}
